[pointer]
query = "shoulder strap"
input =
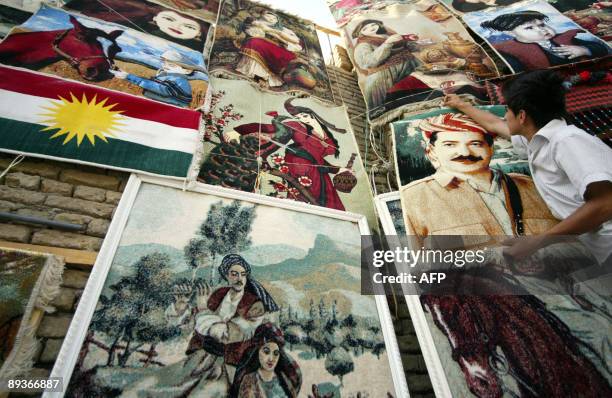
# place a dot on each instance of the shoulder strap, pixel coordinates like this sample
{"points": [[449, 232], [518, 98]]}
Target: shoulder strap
{"points": [[516, 204]]}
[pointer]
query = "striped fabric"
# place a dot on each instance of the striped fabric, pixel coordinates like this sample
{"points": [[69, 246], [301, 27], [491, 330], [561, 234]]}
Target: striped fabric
{"points": [[60, 119]]}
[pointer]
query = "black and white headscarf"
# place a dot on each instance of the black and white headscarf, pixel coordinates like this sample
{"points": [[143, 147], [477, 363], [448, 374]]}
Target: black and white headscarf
{"points": [[254, 287]]}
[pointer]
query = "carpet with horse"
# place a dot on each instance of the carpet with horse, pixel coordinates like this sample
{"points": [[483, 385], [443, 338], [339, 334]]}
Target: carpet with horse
{"points": [[106, 54]]}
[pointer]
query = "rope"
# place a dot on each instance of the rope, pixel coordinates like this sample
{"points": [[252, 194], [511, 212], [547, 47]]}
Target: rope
{"points": [[14, 163], [259, 158], [374, 145], [372, 181], [121, 16], [365, 138]]}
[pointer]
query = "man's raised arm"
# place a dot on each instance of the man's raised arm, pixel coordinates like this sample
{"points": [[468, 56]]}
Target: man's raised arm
{"points": [[484, 118]]}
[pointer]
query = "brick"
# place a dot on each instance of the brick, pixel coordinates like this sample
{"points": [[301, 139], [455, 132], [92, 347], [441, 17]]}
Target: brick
{"points": [[38, 373], [98, 227], [122, 185], [54, 326], [44, 169], [21, 180], [15, 233], [65, 299], [51, 351], [418, 383], [408, 344], [402, 310], [46, 214], [89, 193], [121, 175], [48, 237], [60, 188], [113, 197], [100, 210], [75, 279], [73, 218], [414, 363], [407, 327], [78, 177], [21, 195], [78, 294], [7, 207]]}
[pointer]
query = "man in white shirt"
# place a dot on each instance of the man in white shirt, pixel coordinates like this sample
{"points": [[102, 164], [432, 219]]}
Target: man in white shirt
{"points": [[572, 170]]}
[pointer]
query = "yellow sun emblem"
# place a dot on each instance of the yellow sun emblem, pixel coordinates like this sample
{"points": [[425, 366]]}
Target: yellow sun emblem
{"points": [[80, 119]]}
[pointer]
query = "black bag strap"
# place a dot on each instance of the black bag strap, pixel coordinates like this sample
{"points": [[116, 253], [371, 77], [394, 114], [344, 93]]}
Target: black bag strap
{"points": [[516, 204]]}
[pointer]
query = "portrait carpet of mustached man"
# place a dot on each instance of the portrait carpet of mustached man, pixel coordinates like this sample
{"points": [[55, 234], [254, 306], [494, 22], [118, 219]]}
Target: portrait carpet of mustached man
{"points": [[493, 329]]}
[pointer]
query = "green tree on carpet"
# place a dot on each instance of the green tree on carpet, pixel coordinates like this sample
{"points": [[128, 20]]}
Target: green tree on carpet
{"points": [[143, 293], [339, 363], [225, 230]]}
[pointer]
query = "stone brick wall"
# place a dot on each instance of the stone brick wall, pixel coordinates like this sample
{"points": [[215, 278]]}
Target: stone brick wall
{"points": [[53, 327], [341, 58], [63, 192], [346, 91], [415, 369], [58, 192]]}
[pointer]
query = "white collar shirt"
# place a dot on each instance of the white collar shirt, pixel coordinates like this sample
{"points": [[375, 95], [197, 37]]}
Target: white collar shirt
{"points": [[564, 160]]}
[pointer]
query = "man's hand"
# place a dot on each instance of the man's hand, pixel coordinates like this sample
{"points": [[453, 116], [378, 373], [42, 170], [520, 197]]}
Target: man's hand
{"points": [[119, 74], [571, 52], [181, 304], [523, 247], [182, 292], [202, 295], [486, 119], [454, 101]]}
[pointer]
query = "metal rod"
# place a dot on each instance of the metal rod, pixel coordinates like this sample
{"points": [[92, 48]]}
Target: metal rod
{"points": [[41, 221]]}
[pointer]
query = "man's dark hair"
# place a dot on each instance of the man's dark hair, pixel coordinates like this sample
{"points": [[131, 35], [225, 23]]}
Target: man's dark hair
{"points": [[381, 27], [539, 93], [434, 137], [506, 22]]}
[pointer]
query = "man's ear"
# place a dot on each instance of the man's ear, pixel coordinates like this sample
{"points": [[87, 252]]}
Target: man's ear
{"points": [[522, 117], [431, 156]]}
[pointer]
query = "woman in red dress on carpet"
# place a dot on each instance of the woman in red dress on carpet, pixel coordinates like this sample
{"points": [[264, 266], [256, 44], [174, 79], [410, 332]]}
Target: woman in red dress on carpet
{"points": [[312, 141], [268, 50]]}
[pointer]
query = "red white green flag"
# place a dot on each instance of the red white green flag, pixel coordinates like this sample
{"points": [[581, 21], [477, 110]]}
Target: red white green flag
{"points": [[59, 119]]}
